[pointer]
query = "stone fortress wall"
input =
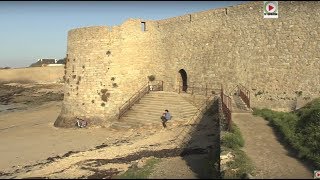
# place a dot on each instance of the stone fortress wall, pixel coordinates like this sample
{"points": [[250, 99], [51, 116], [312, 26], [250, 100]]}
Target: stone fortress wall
{"points": [[276, 59]]}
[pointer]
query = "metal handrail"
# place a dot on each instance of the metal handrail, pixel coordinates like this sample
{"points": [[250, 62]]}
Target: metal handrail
{"points": [[226, 108], [192, 89], [244, 93]]}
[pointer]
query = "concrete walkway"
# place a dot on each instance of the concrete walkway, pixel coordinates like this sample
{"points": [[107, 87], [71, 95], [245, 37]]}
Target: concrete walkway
{"points": [[269, 156]]}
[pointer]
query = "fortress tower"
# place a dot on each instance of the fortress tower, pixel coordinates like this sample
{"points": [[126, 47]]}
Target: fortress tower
{"points": [[273, 58]]}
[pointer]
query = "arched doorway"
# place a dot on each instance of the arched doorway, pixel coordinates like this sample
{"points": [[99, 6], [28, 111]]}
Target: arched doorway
{"points": [[184, 77]]}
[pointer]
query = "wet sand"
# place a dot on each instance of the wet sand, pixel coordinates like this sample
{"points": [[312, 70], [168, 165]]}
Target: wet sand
{"points": [[29, 136]]}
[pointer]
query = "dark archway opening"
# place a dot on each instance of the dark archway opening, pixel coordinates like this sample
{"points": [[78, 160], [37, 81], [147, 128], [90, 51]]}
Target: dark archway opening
{"points": [[183, 74]]}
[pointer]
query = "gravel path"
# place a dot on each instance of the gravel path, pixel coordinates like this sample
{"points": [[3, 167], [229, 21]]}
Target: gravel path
{"points": [[271, 158]]}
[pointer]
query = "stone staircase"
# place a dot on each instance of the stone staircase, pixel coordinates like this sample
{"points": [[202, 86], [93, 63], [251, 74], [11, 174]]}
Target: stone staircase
{"points": [[238, 106], [148, 110]]}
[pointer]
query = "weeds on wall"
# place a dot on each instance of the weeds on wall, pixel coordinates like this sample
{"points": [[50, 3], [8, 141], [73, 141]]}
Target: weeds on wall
{"points": [[258, 93], [298, 93], [306, 98], [151, 78], [103, 91], [115, 85], [79, 79], [105, 95]]}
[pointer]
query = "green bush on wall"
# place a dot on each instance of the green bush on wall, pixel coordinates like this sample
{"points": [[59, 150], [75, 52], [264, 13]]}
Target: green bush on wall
{"points": [[151, 78]]}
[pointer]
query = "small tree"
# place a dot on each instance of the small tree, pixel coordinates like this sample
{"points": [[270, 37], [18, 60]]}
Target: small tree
{"points": [[151, 78]]}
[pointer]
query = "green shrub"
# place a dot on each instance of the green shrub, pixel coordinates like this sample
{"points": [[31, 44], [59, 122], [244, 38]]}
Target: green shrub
{"points": [[139, 173], [233, 139], [300, 129], [241, 164], [151, 78]]}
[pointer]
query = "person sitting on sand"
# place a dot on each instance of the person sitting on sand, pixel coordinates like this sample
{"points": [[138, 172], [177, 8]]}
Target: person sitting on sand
{"points": [[165, 117]]}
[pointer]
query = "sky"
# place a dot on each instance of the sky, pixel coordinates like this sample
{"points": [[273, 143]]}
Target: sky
{"points": [[31, 30]]}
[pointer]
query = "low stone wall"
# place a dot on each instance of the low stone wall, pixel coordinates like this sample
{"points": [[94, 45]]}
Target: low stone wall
{"points": [[33, 74]]}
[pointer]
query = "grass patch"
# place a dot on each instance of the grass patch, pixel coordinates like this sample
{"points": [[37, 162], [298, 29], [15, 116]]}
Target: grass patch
{"points": [[241, 165], [299, 129], [233, 139], [140, 173]]}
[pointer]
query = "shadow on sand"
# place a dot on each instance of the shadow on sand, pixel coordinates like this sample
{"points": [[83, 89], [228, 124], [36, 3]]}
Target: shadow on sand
{"points": [[205, 136]]}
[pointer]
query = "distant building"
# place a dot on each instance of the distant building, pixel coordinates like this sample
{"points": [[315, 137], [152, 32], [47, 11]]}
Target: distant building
{"points": [[47, 61], [53, 64], [44, 62]]}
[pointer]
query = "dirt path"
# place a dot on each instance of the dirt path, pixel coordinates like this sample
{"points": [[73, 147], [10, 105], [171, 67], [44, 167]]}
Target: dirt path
{"points": [[270, 157]]}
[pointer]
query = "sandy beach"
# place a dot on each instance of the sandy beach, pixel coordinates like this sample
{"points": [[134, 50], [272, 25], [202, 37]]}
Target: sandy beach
{"points": [[32, 147]]}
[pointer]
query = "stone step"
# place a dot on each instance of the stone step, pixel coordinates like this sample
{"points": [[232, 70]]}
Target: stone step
{"points": [[157, 115], [149, 121], [238, 106], [145, 121], [150, 108], [163, 93], [163, 104], [163, 107], [154, 108], [148, 96], [122, 125], [156, 95], [160, 110], [173, 102]]}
